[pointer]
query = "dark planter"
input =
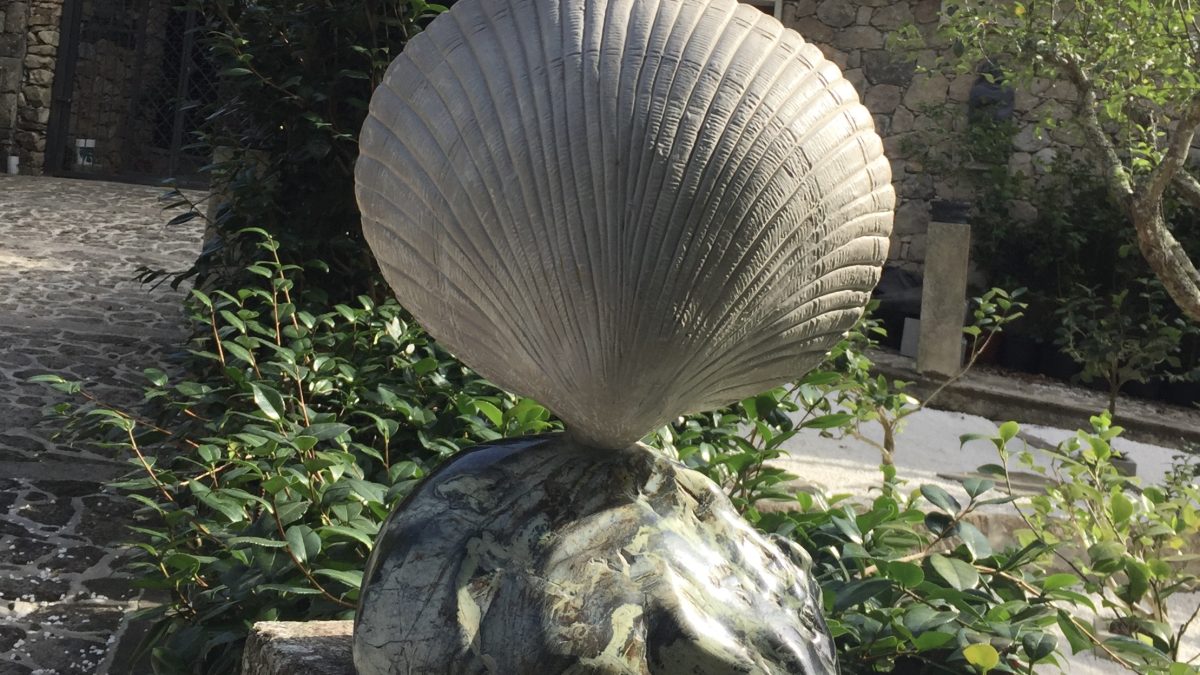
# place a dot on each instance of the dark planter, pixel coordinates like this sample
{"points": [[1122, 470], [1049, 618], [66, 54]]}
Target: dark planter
{"points": [[1053, 363], [1151, 389], [992, 350], [1186, 394], [1019, 353]]}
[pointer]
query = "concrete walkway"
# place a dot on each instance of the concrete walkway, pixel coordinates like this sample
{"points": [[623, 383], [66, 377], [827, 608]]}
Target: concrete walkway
{"points": [[69, 305]]}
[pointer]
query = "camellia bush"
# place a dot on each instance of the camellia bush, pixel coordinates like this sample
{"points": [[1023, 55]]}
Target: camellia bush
{"points": [[263, 473]]}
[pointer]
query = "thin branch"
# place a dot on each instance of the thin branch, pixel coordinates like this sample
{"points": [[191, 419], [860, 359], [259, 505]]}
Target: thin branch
{"points": [[1120, 183], [1188, 188], [1176, 155]]}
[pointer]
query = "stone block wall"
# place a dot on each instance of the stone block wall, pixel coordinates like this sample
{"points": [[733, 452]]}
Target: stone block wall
{"points": [[14, 17], [29, 36]]}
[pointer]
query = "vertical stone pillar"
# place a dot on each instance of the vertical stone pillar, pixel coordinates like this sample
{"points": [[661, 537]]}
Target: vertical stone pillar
{"points": [[14, 18], [943, 298], [33, 114]]}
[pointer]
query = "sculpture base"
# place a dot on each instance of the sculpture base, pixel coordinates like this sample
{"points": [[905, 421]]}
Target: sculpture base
{"points": [[537, 555]]}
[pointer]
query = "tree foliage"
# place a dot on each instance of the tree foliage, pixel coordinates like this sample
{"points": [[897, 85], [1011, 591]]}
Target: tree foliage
{"points": [[1134, 68]]}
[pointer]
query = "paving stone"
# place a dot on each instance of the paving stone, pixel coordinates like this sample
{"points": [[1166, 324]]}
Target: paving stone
{"points": [[69, 305]]}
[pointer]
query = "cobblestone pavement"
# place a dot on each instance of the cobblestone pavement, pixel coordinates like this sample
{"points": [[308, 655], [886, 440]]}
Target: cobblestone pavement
{"points": [[69, 305]]}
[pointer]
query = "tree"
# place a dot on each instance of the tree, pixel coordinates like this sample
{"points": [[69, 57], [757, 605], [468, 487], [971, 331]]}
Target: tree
{"points": [[1135, 69]]}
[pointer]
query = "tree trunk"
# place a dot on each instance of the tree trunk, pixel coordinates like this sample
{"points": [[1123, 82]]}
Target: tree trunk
{"points": [[1166, 256]]}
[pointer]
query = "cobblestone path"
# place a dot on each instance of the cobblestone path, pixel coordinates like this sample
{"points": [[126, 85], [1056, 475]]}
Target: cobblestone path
{"points": [[69, 305]]}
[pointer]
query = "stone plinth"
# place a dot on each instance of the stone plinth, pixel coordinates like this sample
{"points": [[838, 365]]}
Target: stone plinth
{"points": [[299, 648], [943, 295]]}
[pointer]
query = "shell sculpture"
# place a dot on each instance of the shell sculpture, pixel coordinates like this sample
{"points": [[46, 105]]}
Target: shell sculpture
{"points": [[628, 210]]}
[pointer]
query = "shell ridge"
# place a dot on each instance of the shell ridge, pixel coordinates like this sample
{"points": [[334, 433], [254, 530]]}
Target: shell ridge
{"points": [[513, 201], [700, 139], [730, 91], [584, 89], [658, 99], [567, 130], [417, 252], [707, 213], [613, 126], [437, 245], [497, 214], [443, 197], [638, 147], [747, 289], [810, 177], [534, 55], [661, 184], [456, 173], [742, 168]]}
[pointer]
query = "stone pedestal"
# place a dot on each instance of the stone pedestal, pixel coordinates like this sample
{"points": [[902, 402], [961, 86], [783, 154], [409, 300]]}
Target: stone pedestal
{"points": [[537, 555], [299, 648], [943, 298]]}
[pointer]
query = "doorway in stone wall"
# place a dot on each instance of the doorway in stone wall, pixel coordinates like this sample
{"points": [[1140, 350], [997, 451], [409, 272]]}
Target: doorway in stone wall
{"points": [[130, 88]]}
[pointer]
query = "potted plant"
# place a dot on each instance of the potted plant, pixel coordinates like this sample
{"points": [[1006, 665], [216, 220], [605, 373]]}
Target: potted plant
{"points": [[1121, 337]]}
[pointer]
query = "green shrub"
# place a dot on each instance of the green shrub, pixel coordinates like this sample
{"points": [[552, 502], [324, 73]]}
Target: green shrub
{"points": [[1130, 547], [294, 81], [266, 472], [1127, 336], [266, 475]]}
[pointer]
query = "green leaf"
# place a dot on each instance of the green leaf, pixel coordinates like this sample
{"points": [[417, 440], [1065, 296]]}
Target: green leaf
{"points": [[1078, 640], [425, 366], [1038, 646], [1106, 556], [303, 542], [829, 421], [257, 541], [269, 401], [931, 640], [906, 574], [958, 574], [1009, 430], [983, 656], [977, 486], [351, 578], [1122, 508], [327, 431], [858, 592], [974, 540], [1057, 581], [348, 532], [233, 509], [491, 412], [941, 498]]}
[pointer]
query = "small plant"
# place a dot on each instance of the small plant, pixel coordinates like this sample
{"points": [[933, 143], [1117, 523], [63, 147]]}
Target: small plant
{"points": [[871, 398], [1124, 337], [1126, 547]]}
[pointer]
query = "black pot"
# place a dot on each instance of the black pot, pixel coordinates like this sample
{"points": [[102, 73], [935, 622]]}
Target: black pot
{"points": [[1019, 353], [1186, 394], [1151, 389], [1053, 363]]}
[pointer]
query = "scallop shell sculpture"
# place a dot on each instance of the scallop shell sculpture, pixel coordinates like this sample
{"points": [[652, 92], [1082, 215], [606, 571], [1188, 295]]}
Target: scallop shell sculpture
{"points": [[628, 210]]}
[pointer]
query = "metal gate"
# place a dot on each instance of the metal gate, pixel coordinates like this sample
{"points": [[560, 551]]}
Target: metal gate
{"points": [[129, 91]]}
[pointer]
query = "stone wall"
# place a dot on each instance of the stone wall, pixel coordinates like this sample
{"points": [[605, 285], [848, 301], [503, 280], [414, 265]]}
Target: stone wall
{"points": [[912, 105], [29, 34], [853, 34]]}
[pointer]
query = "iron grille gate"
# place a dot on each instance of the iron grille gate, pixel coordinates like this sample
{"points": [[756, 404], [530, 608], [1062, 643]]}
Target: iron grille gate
{"points": [[129, 89]]}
